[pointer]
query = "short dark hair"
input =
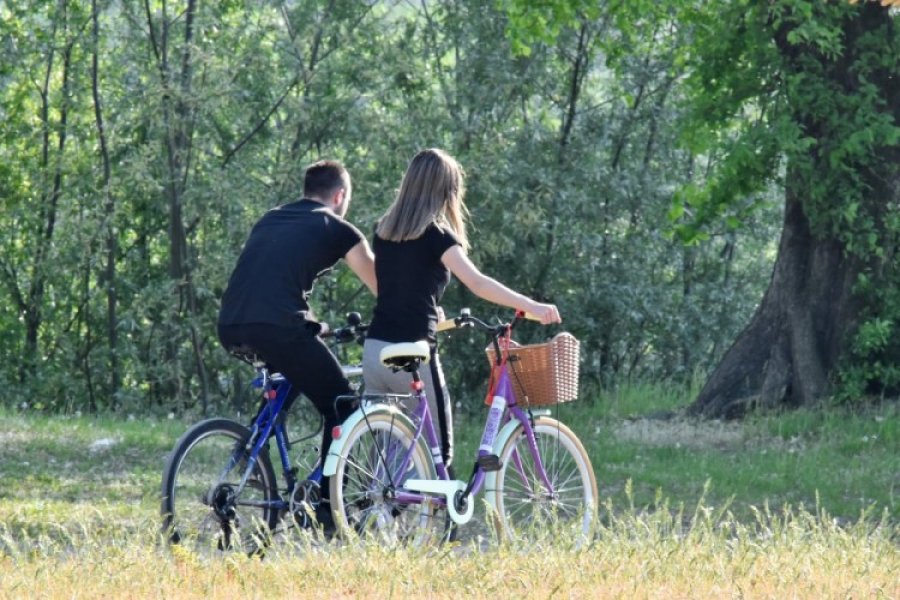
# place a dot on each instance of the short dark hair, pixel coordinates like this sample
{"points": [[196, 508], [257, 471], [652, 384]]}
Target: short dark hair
{"points": [[323, 178]]}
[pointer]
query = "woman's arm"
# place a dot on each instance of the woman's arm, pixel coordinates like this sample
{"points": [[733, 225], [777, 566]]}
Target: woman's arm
{"points": [[492, 290]]}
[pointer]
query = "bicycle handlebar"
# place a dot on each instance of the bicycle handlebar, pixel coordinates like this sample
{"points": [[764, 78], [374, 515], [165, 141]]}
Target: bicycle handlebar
{"points": [[355, 330], [465, 319]]}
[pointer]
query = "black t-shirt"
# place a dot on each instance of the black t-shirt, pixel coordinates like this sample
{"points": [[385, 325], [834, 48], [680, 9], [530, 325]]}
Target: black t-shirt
{"points": [[288, 248], [411, 281]]}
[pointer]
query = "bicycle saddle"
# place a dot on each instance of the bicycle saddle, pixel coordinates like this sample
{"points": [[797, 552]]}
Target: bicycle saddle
{"points": [[246, 354], [404, 354]]}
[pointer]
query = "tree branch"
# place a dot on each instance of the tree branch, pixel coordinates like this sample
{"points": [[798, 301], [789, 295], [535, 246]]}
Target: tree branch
{"points": [[261, 123]]}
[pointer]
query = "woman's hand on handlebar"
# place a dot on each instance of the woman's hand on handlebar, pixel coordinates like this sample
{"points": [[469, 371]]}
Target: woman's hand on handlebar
{"points": [[544, 313]]}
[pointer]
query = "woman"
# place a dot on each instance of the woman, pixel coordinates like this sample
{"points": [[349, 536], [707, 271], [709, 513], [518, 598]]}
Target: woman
{"points": [[418, 243]]}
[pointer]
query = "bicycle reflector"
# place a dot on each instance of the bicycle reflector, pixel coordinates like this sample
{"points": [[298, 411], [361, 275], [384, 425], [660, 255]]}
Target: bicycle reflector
{"points": [[336, 432]]}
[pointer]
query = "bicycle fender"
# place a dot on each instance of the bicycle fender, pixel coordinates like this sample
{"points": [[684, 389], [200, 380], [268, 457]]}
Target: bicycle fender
{"points": [[337, 446], [490, 479]]}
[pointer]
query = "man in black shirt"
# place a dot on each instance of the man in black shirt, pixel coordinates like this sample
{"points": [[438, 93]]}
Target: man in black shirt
{"points": [[265, 304]]}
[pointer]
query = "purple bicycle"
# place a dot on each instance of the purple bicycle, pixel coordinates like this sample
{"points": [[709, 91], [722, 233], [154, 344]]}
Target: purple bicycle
{"points": [[387, 476]]}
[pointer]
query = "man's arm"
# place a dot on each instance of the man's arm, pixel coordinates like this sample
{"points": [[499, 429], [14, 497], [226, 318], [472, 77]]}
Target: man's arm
{"points": [[362, 262]]}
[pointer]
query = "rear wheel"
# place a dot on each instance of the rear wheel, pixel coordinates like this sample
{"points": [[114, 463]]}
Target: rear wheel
{"points": [[524, 505], [203, 505], [371, 467]]}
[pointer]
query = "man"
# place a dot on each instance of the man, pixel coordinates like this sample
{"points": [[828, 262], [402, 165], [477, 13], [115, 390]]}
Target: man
{"points": [[265, 304]]}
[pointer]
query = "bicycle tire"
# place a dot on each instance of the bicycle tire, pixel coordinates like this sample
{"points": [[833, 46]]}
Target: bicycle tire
{"points": [[197, 481], [522, 506], [360, 488]]}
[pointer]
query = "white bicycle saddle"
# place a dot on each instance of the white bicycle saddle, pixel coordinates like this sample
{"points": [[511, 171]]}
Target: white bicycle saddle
{"points": [[399, 354]]}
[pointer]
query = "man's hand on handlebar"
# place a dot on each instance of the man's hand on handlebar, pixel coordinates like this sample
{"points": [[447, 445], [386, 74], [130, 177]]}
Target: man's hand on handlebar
{"points": [[354, 330]]}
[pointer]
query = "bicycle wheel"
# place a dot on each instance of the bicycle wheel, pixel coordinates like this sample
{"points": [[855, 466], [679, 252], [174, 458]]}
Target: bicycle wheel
{"points": [[524, 506], [201, 506], [370, 468]]}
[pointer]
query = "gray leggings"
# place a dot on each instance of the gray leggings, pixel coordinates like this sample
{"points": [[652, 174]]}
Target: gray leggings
{"points": [[379, 379]]}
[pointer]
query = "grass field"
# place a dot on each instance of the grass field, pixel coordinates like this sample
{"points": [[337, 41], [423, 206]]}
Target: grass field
{"points": [[804, 504]]}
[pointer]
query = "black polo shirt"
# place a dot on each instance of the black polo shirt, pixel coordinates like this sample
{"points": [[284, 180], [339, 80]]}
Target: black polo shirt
{"points": [[411, 281], [288, 248]]}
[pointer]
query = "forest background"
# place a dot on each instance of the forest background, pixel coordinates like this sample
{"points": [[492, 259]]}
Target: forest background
{"points": [[633, 162]]}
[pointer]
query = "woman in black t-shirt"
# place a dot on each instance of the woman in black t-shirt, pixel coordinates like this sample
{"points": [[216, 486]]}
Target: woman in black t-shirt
{"points": [[419, 242]]}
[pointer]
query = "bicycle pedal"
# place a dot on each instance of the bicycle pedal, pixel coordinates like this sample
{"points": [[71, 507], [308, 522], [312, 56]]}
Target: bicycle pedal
{"points": [[489, 462]]}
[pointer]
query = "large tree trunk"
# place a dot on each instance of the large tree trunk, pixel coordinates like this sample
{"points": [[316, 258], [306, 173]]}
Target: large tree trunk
{"points": [[794, 340], [789, 352]]}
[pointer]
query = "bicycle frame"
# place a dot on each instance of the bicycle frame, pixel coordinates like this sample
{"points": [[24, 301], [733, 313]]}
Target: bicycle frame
{"points": [[275, 391], [420, 491]]}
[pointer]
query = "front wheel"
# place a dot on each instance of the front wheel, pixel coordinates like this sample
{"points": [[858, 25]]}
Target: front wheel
{"points": [[379, 455], [203, 504], [524, 505]]}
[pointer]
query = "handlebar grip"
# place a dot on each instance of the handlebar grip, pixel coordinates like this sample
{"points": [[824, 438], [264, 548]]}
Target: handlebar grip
{"points": [[527, 315], [446, 325]]}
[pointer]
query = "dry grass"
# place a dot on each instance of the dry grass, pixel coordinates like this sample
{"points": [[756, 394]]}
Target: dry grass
{"points": [[633, 556]]}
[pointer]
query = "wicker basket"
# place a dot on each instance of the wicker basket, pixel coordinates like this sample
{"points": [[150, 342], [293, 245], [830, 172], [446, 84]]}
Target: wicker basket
{"points": [[544, 374]]}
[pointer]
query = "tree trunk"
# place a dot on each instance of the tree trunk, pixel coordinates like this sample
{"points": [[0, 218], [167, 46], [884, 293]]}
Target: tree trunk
{"points": [[794, 340], [108, 277], [178, 131], [789, 352], [34, 301]]}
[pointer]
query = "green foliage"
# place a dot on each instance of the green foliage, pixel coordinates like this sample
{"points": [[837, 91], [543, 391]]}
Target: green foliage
{"points": [[572, 153], [543, 21], [800, 94]]}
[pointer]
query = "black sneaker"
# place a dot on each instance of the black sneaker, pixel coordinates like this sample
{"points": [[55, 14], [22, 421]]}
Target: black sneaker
{"points": [[325, 520]]}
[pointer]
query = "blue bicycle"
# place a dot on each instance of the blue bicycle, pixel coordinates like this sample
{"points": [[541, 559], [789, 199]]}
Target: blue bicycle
{"points": [[219, 487]]}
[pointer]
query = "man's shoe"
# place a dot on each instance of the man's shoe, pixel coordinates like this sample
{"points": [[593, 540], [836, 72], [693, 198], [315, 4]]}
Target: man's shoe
{"points": [[325, 520]]}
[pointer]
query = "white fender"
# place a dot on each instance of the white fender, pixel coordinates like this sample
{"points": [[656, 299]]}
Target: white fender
{"points": [[337, 446], [490, 480]]}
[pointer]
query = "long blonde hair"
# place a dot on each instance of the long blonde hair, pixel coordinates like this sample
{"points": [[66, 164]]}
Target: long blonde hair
{"points": [[432, 191]]}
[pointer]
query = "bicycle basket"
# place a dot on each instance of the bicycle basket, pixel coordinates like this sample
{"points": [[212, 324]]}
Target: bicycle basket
{"points": [[543, 374]]}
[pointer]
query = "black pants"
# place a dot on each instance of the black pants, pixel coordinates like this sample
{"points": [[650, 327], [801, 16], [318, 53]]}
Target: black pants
{"points": [[300, 355]]}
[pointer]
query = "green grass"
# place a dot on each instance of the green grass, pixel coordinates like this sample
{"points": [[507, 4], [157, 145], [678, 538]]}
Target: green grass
{"points": [[843, 462]]}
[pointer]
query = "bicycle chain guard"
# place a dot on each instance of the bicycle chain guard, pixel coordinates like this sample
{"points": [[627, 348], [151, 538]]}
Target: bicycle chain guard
{"points": [[447, 489]]}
